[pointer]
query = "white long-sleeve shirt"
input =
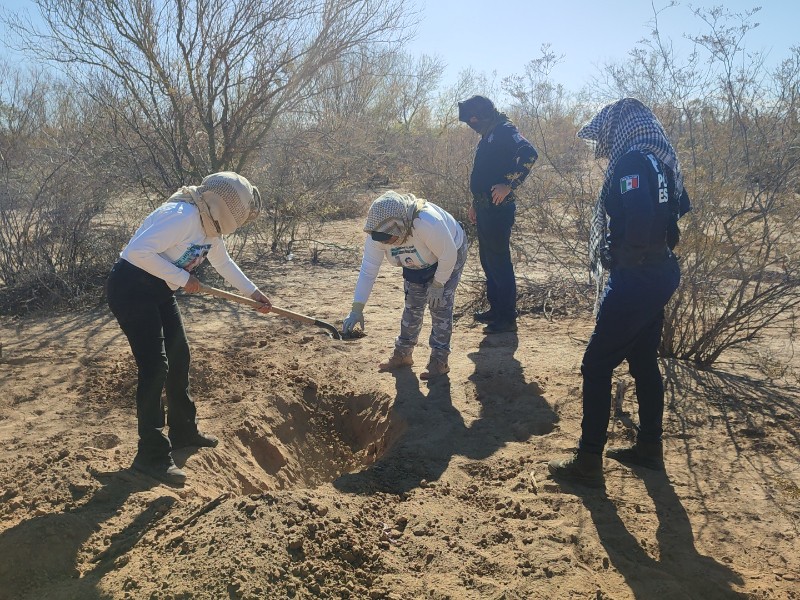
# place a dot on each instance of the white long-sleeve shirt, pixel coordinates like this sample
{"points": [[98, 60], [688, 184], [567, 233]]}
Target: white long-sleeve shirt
{"points": [[435, 237], [171, 243]]}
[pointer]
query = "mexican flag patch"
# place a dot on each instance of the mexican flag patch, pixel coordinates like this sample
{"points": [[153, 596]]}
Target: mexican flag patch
{"points": [[628, 183]]}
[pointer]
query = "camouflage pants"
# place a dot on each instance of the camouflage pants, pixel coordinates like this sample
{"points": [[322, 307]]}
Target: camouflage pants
{"points": [[442, 317]]}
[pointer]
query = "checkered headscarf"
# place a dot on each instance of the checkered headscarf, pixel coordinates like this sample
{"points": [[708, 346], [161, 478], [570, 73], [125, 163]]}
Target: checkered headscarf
{"points": [[394, 214], [226, 201], [617, 129]]}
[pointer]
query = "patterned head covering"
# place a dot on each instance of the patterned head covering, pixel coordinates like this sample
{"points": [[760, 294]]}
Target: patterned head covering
{"points": [[617, 129], [226, 201], [394, 214]]}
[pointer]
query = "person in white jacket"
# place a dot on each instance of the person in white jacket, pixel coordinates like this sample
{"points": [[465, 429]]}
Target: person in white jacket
{"points": [[431, 247], [160, 257]]}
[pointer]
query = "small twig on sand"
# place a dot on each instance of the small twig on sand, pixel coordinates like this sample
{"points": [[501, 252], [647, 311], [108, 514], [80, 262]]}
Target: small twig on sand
{"points": [[209, 506], [534, 484]]}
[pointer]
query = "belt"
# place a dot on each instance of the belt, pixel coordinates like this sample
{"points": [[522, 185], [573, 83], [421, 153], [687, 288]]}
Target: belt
{"points": [[131, 271], [656, 256], [486, 200], [123, 265]]}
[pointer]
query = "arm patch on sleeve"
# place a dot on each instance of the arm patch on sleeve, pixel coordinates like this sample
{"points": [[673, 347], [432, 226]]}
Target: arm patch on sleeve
{"points": [[628, 183]]}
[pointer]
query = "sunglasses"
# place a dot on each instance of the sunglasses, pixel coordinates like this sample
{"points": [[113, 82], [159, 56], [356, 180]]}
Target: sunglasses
{"points": [[380, 236]]}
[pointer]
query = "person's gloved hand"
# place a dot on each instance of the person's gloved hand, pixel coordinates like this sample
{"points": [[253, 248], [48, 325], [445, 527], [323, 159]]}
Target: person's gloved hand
{"points": [[355, 317], [435, 295]]}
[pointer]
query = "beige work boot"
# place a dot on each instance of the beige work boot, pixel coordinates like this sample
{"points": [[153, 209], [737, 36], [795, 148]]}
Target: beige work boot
{"points": [[396, 360], [435, 368]]}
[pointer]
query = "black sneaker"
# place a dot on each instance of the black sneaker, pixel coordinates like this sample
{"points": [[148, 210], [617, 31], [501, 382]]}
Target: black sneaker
{"points": [[163, 469], [504, 326], [486, 316], [200, 440]]}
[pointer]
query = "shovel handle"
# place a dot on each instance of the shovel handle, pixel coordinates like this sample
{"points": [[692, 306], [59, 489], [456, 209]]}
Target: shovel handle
{"points": [[212, 291]]}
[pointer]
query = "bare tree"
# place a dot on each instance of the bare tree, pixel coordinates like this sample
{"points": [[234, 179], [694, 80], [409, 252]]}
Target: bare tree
{"points": [[409, 88], [194, 86]]}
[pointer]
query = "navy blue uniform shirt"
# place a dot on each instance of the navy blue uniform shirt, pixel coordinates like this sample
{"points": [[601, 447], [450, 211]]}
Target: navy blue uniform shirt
{"points": [[638, 204], [502, 156]]}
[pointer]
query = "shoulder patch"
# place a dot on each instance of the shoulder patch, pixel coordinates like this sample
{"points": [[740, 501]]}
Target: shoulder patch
{"points": [[628, 183]]}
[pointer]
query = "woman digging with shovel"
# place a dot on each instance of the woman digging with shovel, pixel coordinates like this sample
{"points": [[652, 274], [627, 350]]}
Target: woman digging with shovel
{"points": [[430, 246], [171, 242]]}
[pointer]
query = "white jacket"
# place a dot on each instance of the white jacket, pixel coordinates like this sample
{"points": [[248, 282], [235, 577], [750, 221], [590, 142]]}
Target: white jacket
{"points": [[171, 243], [435, 237]]}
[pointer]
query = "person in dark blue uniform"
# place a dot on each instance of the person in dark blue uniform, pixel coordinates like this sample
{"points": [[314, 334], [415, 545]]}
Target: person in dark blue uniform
{"points": [[503, 160], [634, 230]]}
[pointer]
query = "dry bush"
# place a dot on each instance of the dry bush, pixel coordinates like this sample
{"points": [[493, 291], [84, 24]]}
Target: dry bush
{"points": [[306, 100], [55, 247], [735, 127], [736, 130], [183, 88]]}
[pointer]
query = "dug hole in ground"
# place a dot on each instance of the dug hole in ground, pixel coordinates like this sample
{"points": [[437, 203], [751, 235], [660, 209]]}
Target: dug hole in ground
{"points": [[333, 480]]}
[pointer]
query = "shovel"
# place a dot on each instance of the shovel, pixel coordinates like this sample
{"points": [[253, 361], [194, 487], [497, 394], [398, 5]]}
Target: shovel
{"points": [[333, 332]]}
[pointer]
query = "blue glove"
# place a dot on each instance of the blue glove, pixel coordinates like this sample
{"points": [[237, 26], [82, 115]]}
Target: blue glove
{"points": [[435, 295], [355, 317]]}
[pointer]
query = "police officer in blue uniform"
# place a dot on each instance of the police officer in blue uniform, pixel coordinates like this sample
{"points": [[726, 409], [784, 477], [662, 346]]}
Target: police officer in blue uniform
{"points": [[503, 160], [633, 233]]}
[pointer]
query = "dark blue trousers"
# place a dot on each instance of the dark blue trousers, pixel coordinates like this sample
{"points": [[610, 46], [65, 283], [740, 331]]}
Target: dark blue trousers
{"points": [[494, 246], [149, 316], [628, 328]]}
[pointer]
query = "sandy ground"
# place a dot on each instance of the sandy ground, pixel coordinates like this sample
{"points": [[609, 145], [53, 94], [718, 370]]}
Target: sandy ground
{"points": [[335, 481]]}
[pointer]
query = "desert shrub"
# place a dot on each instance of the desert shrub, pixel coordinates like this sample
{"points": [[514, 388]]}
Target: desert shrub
{"points": [[736, 131], [327, 116], [735, 128], [54, 243]]}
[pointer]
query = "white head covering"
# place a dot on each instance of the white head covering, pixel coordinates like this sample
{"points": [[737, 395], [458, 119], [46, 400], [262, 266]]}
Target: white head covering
{"points": [[394, 214], [226, 201]]}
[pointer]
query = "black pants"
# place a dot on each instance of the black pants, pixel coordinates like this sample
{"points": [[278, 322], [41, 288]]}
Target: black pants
{"points": [[628, 328], [494, 247], [149, 316]]}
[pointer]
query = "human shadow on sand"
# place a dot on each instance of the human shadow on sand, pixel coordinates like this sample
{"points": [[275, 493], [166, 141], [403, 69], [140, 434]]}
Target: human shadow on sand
{"points": [[39, 557], [675, 569], [430, 430]]}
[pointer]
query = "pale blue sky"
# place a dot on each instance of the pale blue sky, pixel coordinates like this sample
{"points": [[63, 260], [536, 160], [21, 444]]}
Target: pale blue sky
{"points": [[504, 35]]}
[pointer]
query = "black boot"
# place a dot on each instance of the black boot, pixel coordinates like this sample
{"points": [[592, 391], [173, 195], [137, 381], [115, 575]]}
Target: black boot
{"points": [[486, 316], [581, 467], [501, 326], [195, 438], [163, 469], [641, 454]]}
